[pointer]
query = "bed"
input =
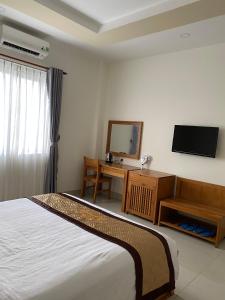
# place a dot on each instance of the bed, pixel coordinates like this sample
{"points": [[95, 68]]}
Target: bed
{"points": [[46, 255]]}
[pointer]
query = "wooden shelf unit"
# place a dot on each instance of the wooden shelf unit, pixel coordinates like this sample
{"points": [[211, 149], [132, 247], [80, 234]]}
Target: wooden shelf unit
{"points": [[145, 190], [198, 203]]}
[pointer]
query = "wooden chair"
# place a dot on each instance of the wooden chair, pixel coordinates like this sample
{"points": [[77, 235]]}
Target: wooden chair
{"points": [[97, 178]]}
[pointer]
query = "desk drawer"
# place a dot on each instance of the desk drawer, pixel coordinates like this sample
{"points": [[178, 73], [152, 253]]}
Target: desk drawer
{"points": [[142, 180], [112, 171]]}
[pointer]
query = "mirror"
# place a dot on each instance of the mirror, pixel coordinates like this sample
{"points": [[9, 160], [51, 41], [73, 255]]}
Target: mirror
{"points": [[124, 138]]}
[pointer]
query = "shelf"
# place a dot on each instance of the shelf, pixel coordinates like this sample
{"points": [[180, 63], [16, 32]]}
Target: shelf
{"points": [[177, 227]]}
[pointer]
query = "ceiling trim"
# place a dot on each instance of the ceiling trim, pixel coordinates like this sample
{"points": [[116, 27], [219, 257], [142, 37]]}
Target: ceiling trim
{"points": [[194, 12], [72, 14], [191, 13], [47, 16]]}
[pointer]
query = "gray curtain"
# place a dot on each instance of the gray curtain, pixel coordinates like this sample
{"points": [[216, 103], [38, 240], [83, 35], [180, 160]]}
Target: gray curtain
{"points": [[54, 88]]}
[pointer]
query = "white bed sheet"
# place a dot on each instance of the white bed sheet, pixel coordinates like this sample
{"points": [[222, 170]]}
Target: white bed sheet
{"points": [[44, 257]]}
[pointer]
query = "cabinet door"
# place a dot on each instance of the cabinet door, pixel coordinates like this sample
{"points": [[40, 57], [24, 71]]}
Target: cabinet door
{"points": [[140, 199]]}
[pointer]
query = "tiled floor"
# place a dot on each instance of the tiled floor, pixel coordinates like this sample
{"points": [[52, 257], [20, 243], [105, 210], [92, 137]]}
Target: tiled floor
{"points": [[202, 266]]}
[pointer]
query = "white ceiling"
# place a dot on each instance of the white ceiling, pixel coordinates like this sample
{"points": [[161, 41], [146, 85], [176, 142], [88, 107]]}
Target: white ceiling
{"points": [[102, 15], [105, 11], [202, 33]]}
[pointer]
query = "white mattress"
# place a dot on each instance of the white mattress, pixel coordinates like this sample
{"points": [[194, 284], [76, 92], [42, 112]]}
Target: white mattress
{"points": [[44, 257]]}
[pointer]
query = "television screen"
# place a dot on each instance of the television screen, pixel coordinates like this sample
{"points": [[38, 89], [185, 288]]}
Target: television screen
{"points": [[196, 140]]}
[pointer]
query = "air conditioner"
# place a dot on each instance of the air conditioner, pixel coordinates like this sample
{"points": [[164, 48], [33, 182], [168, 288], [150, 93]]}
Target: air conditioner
{"points": [[22, 42]]}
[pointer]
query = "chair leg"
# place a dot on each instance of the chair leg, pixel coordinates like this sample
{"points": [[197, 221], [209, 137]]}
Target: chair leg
{"points": [[95, 192], [109, 191], [83, 188], [100, 187]]}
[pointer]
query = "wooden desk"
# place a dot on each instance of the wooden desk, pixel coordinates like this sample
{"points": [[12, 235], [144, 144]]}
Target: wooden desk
{"points": [[118, 170]]}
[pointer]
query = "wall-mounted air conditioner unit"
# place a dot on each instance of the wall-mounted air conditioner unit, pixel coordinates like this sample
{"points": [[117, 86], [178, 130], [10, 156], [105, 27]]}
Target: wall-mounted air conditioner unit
{"points": [[22, 42]]}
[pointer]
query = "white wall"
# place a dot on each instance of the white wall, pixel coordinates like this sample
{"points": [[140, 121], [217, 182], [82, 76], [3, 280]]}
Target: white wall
{"points": [[185, 87], [79, 115], [80, 108]]}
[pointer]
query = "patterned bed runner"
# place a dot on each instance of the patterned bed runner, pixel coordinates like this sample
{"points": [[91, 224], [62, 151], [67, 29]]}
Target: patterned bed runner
{"points": [[150, 251]]}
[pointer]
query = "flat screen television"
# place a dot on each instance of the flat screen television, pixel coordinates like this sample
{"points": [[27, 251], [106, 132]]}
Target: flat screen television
{"points": [[196, 140]]}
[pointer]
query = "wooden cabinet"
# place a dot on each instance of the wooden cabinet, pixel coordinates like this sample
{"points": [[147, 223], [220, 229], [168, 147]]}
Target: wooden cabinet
{"points": [[145, 190]]}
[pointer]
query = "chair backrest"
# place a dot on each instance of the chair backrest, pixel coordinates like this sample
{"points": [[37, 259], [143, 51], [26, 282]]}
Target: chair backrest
{"points": [[91, 164]]}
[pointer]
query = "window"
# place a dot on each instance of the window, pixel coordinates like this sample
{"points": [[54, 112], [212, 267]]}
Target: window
{"points": [[24, 129], [24, 113]]}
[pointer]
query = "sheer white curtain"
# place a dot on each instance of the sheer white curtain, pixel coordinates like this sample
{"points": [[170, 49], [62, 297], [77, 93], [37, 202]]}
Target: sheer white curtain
{"points": [[24, 130]]}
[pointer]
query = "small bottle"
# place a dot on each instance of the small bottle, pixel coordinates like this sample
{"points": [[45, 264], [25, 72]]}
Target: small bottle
{"points": [[110, 157]]}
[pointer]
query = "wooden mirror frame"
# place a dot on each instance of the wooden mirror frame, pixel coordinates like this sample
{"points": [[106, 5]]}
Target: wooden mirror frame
{"points": [[121, 154]]}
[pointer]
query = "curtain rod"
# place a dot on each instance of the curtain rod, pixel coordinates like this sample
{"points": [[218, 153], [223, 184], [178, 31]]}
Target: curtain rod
{"points": [[27, 62]]}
